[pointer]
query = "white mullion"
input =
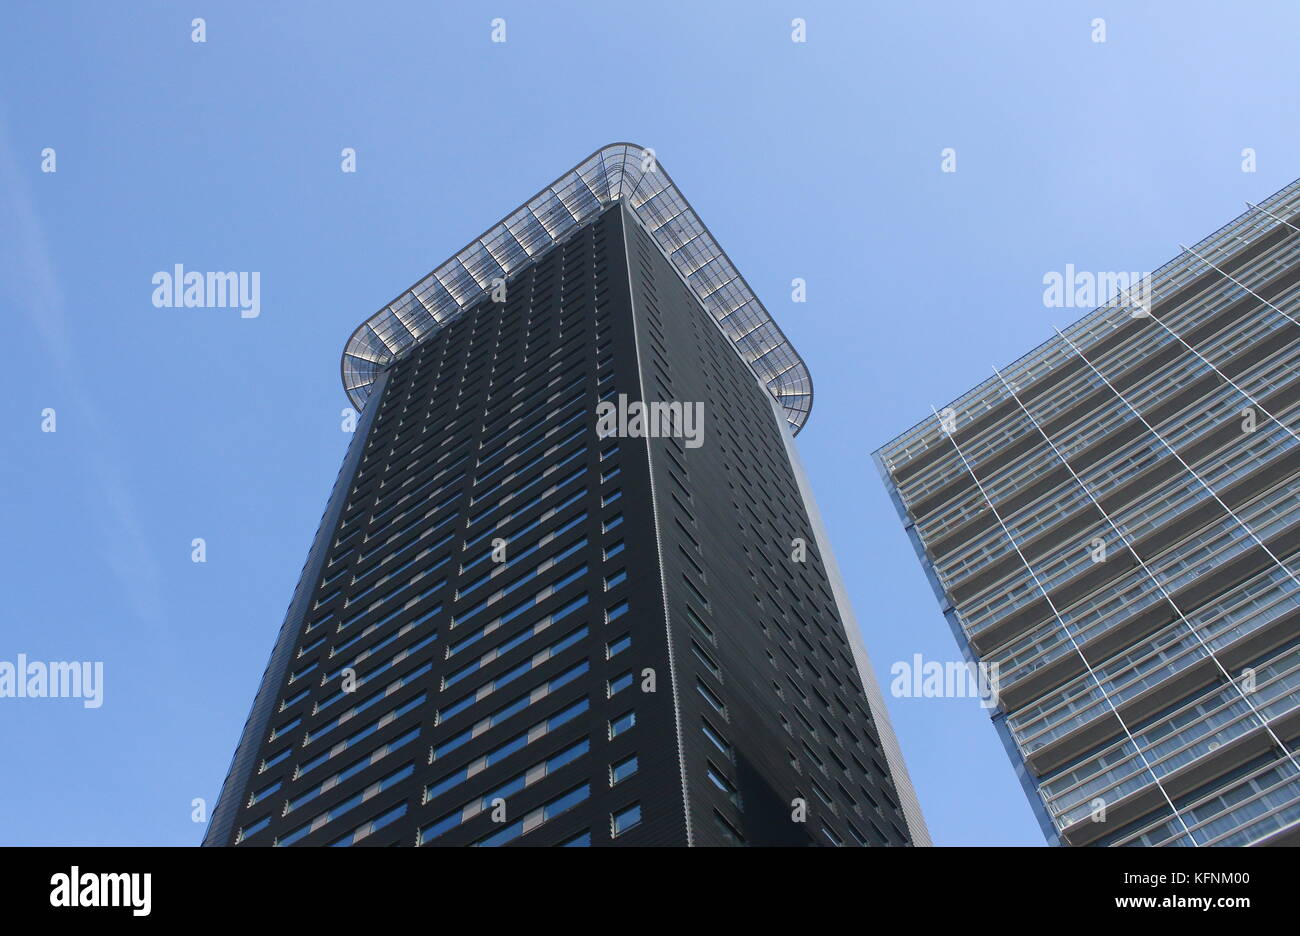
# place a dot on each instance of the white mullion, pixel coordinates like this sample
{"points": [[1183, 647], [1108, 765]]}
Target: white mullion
{"points": [[667, 221], [1196, 804], [1253, 402], [1273, 216], [1161, 439], [1238, 282], [1150, 574], [1254, 799], [1070, 637], [409, 330]]}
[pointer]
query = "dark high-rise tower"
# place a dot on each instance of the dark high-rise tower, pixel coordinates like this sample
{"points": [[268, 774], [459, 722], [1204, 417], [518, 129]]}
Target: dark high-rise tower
{"points": [[516, 626], [1112, 526]]}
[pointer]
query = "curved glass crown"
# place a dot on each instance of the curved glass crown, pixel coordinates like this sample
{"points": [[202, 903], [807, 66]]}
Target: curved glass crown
{"points": [[611, 174]]}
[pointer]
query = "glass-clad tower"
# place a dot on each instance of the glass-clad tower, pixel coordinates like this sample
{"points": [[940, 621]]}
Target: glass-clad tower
{"points": [[1111, 525], [525, 620]]}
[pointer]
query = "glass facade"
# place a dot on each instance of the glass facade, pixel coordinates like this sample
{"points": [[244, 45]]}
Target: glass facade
{"points": [[1111, 525], [620, 172]]}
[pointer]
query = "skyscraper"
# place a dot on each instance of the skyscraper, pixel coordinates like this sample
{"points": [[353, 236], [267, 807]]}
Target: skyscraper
{"points": [[1111, 526], [571, 587]]}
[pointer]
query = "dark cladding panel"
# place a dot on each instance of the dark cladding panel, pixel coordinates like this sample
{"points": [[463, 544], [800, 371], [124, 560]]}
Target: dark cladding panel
{"points": [[479, 680], [771, 705], [517, 629]]}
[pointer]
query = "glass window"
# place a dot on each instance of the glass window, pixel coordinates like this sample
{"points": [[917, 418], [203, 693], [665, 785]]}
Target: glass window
{"points": [[627, 818], [264, 793], [621, 724], [253, 829], [622, 770], [716, 739], [710, 697], [619, 683]]}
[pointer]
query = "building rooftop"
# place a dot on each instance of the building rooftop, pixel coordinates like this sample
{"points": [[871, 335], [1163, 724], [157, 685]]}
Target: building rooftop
{"points": [[612, 174]]}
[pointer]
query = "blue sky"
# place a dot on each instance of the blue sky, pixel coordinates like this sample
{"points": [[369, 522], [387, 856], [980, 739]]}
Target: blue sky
{"points": [[818, 160]]}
